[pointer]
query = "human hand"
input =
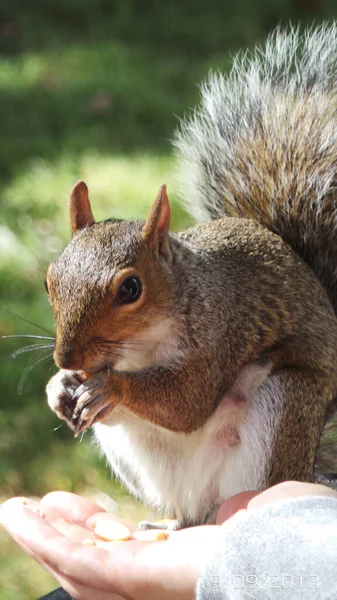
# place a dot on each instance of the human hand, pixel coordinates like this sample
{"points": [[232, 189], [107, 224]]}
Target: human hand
{"points": [[254, 499], [130, 570]]}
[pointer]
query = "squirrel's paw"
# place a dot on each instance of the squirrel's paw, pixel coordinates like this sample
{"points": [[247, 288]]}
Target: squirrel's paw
{"points": [[166, 525], [93, 402], [61, 390]]}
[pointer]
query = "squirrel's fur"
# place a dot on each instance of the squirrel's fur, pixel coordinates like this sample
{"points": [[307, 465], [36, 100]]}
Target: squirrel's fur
{"points": [[219, 371], [263, 145]]}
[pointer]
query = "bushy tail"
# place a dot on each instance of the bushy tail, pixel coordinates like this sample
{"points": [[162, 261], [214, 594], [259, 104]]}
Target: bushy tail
{"points": [[263, 145]]}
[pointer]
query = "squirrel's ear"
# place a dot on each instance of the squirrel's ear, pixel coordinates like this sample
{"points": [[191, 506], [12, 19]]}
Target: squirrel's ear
{"points": [[79, 208], [157, 224]]}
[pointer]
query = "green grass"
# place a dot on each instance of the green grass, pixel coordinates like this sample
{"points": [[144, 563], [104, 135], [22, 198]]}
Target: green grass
{"points": [[93, 90]]}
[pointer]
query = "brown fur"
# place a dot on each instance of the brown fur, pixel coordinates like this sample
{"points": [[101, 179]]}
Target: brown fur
{"points": [[236, 294]]}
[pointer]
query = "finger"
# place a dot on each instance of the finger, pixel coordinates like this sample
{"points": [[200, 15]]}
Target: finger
{"points": [[70, 506], [13, 503], [33, 505], [290, 489], [233, 505], [50, 514], [23, 501], [72, 530], [73, 587], [104, 516], [32, 555], [14, 536], [87, 564]]}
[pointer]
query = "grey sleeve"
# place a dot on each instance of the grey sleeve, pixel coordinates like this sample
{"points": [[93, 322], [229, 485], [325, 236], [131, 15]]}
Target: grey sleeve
{"points": [[282, 551]]}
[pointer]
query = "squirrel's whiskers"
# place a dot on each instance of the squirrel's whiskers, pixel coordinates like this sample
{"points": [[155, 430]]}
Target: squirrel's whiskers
{"points": [[31, 365], [32, 348]]}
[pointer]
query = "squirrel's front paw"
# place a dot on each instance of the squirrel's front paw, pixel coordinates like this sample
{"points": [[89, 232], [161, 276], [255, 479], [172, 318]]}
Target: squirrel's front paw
{"points": [[164, 525], [94, 401], [61, 390]]}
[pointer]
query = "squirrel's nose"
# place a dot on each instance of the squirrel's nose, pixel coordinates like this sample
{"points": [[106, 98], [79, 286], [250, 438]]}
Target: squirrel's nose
{"points": [[68, 359]]}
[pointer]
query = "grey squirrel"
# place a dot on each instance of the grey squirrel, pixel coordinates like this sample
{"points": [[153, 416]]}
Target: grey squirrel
{"points": [[206, 360]]}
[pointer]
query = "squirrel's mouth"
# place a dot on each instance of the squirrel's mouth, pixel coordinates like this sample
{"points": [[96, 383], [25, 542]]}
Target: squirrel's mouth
{"points": [[78, 361]]}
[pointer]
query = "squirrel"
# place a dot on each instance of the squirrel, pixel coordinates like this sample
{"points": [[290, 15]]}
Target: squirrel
{"points": [[206, 360]]}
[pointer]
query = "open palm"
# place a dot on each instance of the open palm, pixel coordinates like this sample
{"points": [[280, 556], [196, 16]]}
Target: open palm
{"points": [[132, 570]]}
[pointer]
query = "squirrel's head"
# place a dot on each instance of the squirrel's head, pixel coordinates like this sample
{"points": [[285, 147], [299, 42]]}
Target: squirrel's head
{"points": [[110, 288]]}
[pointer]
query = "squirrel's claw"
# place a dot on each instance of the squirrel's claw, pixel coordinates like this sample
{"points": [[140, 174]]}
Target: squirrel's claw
{"points": [[93, 403], [78, 401], [84, 422]]}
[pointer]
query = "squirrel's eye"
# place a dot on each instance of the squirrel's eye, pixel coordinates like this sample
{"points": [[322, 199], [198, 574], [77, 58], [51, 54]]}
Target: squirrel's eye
{"points": [[46, 286], [130, 290]]}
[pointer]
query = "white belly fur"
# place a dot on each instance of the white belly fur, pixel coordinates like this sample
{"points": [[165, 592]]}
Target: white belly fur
{"points": [[185, 475]]}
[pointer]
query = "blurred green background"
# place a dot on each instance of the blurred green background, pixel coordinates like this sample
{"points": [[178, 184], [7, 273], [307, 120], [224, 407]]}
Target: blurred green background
{"points": [[89, 89]]}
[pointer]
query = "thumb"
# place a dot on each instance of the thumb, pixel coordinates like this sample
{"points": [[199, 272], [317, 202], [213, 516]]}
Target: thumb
{"points": [[233, 505]]}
